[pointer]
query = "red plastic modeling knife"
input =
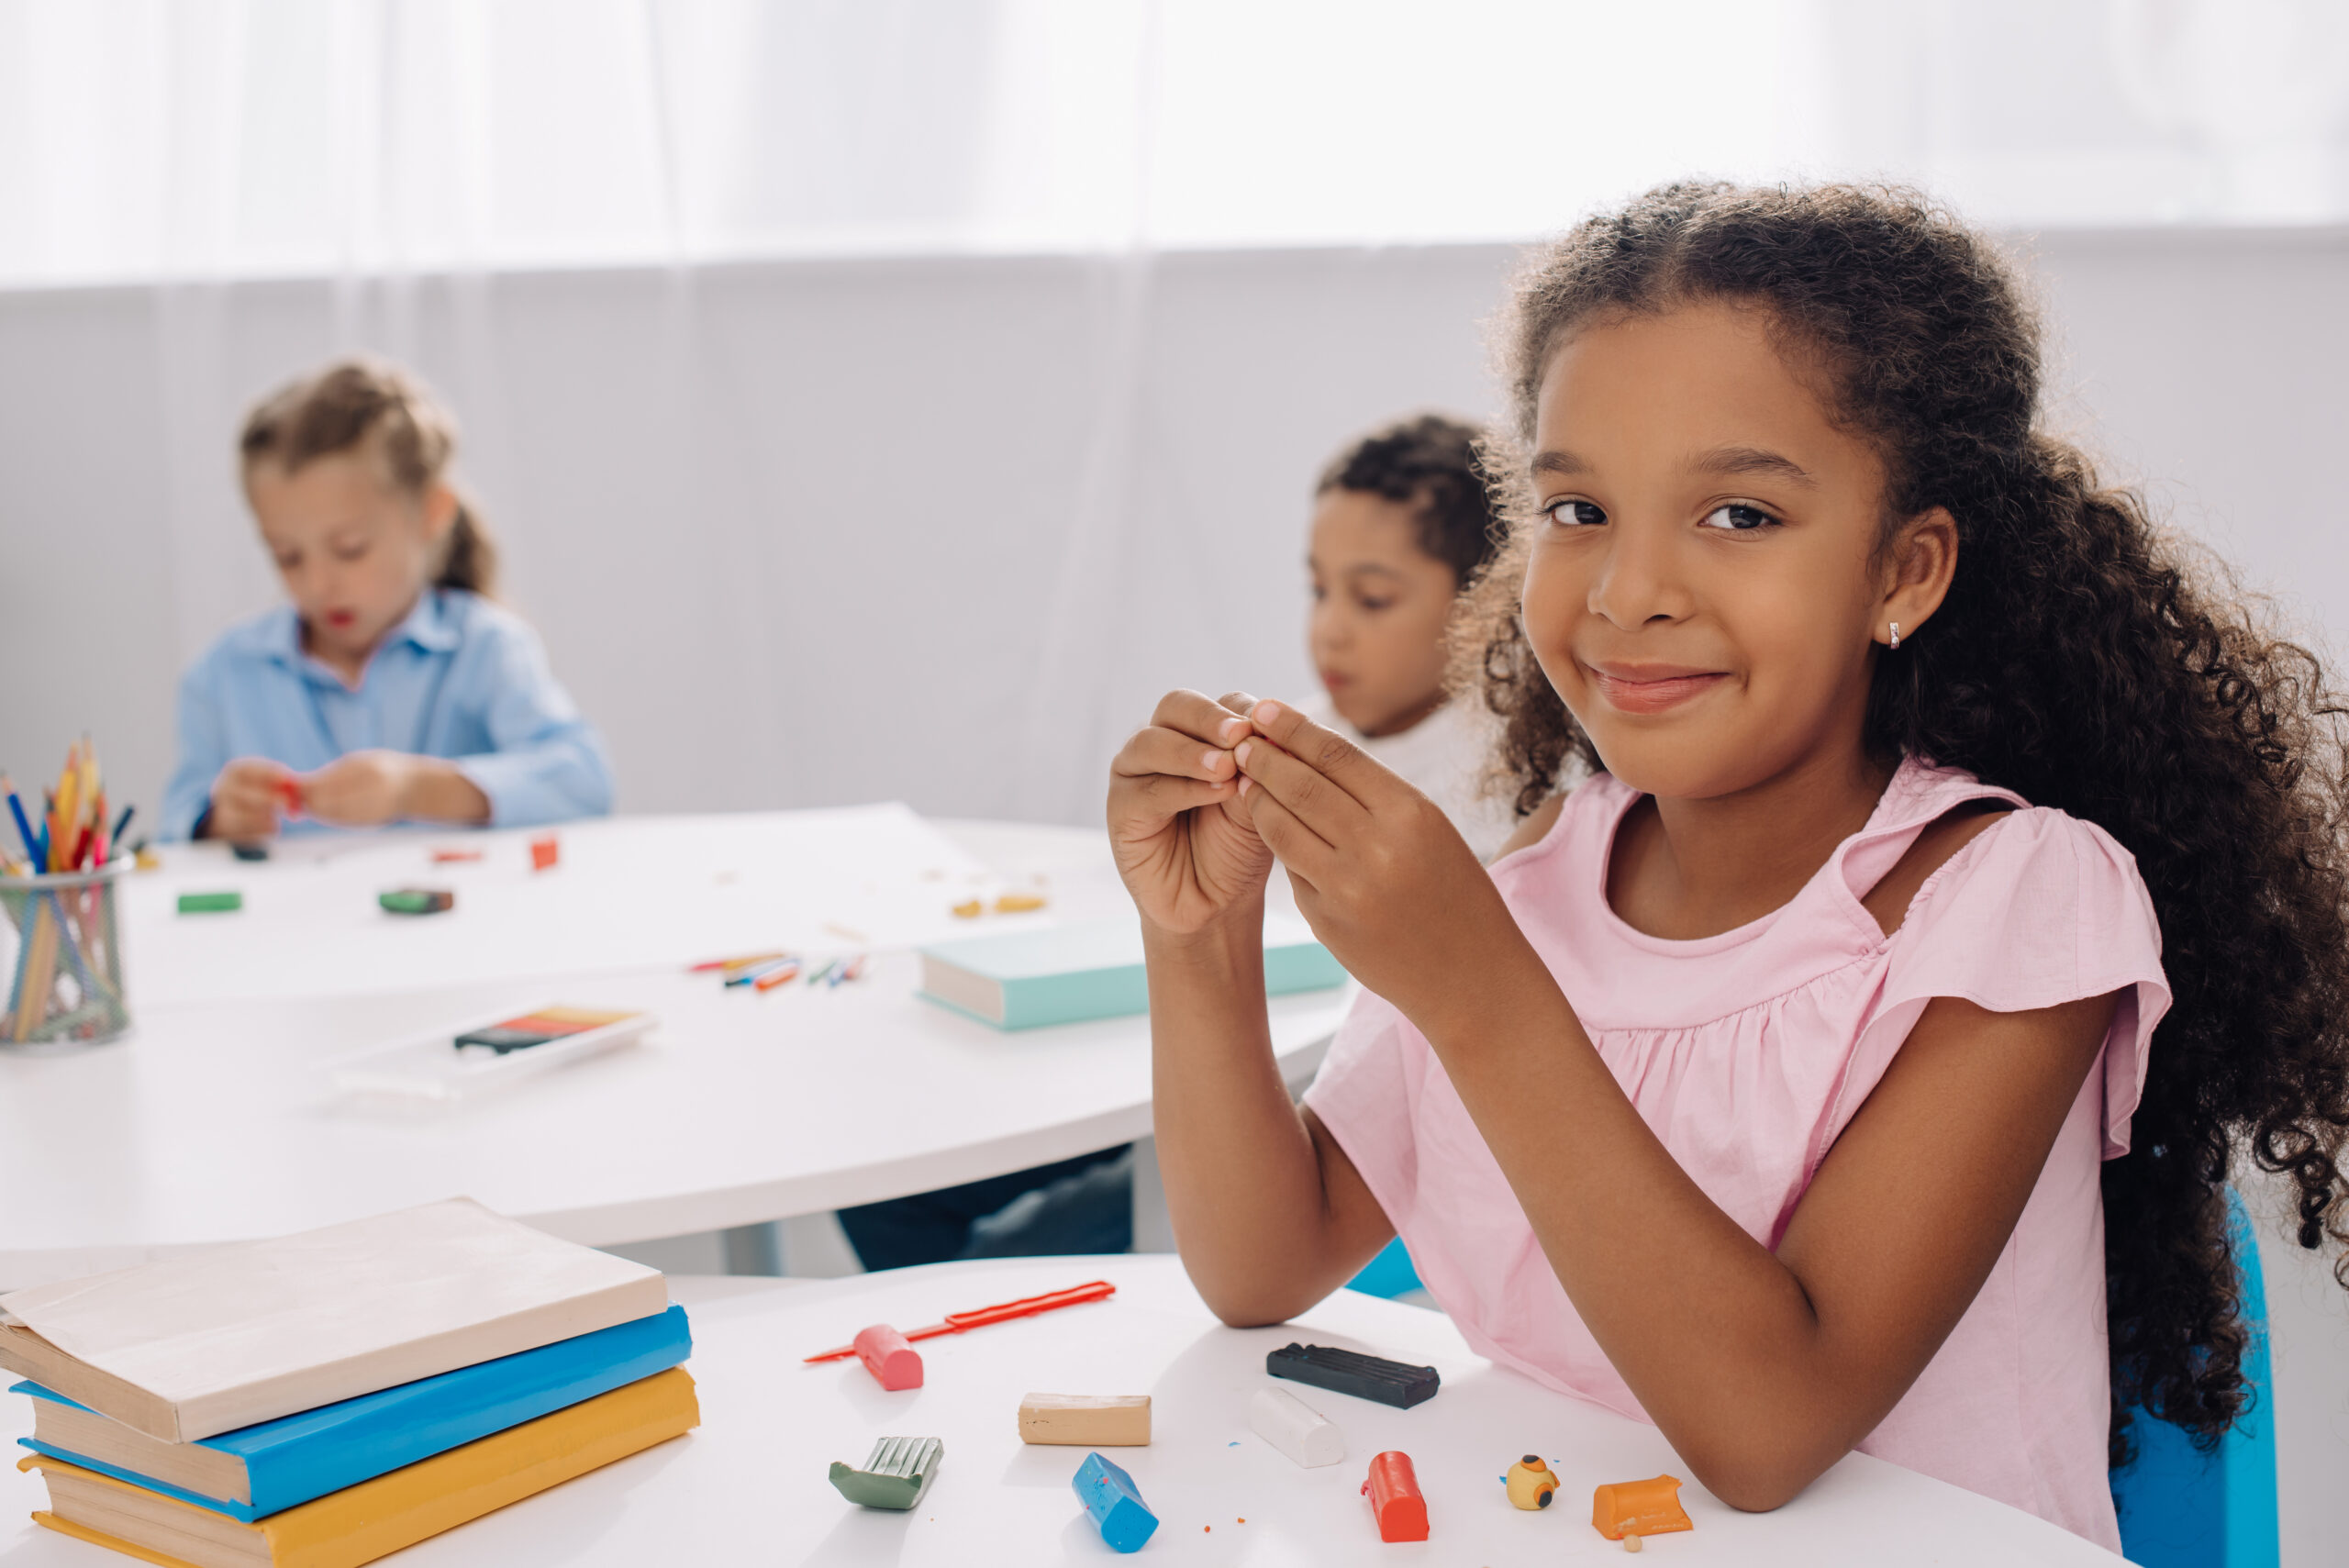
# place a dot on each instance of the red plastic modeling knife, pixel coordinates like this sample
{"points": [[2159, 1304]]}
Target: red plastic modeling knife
{"points": [[956, 1322]]}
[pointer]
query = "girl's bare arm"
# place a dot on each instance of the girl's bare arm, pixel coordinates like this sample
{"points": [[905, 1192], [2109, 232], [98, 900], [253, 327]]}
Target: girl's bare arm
{"points": [[1269, 1213]]}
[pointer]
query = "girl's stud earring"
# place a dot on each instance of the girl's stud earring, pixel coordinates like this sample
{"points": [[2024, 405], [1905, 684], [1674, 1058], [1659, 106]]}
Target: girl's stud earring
{"points": [[1896, 634]]}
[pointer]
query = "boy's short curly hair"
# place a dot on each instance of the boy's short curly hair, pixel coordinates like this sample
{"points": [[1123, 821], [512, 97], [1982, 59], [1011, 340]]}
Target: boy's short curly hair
{"points": [[1431, 463]]}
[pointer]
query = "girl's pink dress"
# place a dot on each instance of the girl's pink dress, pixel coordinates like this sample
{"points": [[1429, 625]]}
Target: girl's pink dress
{"points": [[1748, 1052]]}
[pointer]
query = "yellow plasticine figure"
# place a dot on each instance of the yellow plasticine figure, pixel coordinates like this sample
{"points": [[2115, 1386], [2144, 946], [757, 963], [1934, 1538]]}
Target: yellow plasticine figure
{"points": [[1019, 903], [1532, 1484], [1627, 1510], [969, 909]]}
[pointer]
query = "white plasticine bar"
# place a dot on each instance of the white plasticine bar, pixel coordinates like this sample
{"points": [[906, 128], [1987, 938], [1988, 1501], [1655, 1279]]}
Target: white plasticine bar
{"points": [[1291, 1425]]}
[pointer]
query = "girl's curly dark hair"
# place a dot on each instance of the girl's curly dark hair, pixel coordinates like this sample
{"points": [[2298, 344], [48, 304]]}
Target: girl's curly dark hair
{"points": [[2081, 660]]}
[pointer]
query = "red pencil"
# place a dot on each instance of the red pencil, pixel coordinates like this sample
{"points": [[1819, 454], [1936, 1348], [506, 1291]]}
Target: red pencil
{"points": [[1027, 1307]]}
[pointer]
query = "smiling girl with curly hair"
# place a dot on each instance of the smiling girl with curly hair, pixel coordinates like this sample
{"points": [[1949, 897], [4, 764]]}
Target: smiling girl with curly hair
{"points": [[1857, 1060]]}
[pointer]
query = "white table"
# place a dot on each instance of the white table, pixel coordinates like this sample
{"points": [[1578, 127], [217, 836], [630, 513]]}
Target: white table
{"points": [[217, 1121], [750, 1486]]}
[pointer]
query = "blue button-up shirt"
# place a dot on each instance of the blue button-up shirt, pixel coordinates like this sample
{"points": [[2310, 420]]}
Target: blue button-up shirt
{"points": [[460, 678]]}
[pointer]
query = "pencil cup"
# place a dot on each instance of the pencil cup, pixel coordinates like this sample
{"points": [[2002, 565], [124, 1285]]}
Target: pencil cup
{"points": [[60, 946]]}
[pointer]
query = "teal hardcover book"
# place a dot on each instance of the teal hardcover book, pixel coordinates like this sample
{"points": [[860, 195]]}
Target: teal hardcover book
{"points": [[1066, 974], [265, 1469]]}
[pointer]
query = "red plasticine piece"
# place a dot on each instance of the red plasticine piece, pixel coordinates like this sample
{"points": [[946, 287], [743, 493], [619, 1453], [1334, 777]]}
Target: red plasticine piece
{"points": [[895, 1363], [1003, 1312], [544, 853], [1394, 1493]]}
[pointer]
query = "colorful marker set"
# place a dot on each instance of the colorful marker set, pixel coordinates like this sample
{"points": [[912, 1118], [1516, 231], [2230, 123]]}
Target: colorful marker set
{"points": [[763, 971], [68, 974]]}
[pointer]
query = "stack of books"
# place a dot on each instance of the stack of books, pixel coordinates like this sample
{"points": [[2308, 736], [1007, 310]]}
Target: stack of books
{"points": [[327, 1398]]}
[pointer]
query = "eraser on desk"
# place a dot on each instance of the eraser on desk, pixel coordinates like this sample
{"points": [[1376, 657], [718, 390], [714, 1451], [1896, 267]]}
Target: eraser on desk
{"points": [[885, 1354], [1350, 1372], [417, 900], [1395, 1500], [545, 851], [900, 1471], [211, 903], [1085, 1420], [1110, 1496], [1291, 1425]]}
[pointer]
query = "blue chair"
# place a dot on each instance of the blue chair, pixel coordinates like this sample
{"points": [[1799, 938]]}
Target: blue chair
{"points": [[2181, 1508], [1388, 1275]]}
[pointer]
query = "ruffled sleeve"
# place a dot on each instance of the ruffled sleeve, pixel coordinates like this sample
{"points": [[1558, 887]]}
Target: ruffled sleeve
{"points": [[2038, 909]]}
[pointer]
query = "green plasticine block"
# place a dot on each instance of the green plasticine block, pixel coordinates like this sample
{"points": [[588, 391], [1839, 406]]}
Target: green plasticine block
{"points": [[416, 900], [899, 1471], [211, 903]]}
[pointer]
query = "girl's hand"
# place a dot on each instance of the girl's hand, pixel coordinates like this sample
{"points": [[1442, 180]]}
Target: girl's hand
{"points": [[361, 789], [1183, 843], [1382, 876], [246, 800]]}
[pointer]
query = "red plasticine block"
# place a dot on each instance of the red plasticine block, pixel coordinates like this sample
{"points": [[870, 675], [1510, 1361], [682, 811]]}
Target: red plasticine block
{"points": [[886, 1355], [1394, 1493], [544, 853]]}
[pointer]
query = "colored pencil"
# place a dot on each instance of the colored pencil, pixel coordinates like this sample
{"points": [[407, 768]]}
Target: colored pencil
{"points": [[24, 824]]}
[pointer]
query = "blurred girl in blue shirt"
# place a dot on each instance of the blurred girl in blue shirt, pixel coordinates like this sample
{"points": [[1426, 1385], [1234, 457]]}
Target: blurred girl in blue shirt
{"points": [[393, 687]]}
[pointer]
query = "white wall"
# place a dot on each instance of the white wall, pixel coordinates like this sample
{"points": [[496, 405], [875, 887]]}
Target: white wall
{"points": [[809, 532]]}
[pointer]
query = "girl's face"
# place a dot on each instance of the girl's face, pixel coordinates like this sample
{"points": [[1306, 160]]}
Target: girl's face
{"points": [[1380, 605], [1706, 591], [353, 551]]}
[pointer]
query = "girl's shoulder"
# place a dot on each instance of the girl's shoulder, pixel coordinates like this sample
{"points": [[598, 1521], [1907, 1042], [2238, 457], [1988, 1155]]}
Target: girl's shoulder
{"points": [[1584, 812], [273, 636], [2037, 886], [484, 624]]}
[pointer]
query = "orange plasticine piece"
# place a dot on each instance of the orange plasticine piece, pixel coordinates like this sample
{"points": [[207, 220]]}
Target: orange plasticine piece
{"points": [[1639, 1508]]}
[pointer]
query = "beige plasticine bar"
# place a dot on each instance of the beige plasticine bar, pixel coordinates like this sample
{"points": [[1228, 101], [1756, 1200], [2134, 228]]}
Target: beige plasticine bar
{"points": [[1085, 1420]]}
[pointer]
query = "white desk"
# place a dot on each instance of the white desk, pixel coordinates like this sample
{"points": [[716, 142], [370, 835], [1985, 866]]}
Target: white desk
{"points": [[750, 1486], [216, 1122], [627, 894]]}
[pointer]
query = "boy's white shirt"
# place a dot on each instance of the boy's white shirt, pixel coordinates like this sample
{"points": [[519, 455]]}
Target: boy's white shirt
{"points": [[1443, 756]]}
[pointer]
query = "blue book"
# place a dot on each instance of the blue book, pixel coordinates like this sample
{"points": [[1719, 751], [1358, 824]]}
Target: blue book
{"points": [[260, 1470], [1065, 974]]}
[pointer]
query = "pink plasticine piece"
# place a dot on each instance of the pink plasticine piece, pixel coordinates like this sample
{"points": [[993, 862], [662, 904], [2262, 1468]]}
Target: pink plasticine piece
{"points": [[886, 1354]]}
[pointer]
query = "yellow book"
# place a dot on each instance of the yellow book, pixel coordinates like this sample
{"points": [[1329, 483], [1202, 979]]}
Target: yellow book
{"points": [[376, 1518]]}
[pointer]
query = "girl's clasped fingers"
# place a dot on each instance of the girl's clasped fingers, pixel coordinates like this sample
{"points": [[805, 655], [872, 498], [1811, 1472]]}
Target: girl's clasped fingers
{"points": [[1202, 718], [1182, 758], [1316, 774]]}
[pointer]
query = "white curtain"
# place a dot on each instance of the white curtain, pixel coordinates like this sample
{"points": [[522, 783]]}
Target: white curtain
{"points": [[820, 496], [175, 139]]}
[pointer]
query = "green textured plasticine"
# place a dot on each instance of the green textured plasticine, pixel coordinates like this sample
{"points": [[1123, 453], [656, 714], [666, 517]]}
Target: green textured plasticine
{"points": [[896, 1476], [211, 903], [416, 900]]}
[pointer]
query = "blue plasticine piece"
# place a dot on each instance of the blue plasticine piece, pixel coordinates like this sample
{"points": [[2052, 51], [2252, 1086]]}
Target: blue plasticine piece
{"points": [[1109, 1495]]}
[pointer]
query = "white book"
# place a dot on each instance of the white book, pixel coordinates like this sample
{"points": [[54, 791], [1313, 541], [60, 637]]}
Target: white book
{"points": [[191, 1347]]}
